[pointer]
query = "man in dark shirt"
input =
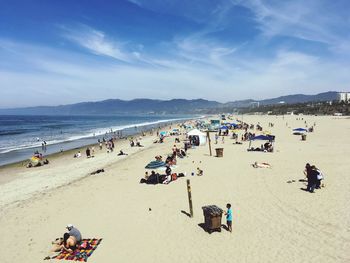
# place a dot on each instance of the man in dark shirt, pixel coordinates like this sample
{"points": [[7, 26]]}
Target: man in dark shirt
{"points": [[312, 179]]}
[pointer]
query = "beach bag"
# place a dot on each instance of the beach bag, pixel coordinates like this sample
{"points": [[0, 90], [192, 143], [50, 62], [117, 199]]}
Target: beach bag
{"points": [[320, 175]]}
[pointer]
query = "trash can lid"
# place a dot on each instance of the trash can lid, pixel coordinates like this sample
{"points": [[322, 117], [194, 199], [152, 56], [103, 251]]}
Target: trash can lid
{"points": [[212, 210]]}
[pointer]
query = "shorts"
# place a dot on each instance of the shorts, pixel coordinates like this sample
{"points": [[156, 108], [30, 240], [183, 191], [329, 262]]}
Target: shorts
{"points": [[229, 223]]}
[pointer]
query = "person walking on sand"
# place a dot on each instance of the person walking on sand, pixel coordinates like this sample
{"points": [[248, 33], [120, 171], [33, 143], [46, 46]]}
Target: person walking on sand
{"points": [[228, 214]]}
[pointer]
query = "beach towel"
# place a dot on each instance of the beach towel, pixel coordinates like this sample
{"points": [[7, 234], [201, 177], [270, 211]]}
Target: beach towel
{"points": [[83, 252]]}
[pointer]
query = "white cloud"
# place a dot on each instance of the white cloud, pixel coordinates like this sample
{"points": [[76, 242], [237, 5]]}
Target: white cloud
{"points": [[96, 42], [58, 79], [312, 20]]}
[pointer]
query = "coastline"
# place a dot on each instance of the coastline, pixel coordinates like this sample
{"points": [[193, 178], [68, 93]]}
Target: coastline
{"points": [[15, 172], [22, 154]]}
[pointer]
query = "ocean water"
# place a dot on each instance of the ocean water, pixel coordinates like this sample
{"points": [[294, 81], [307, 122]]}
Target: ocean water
{"points": [[20, 136]]}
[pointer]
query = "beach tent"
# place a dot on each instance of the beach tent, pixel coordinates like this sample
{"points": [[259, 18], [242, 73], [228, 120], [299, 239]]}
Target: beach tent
{"points": [[202, 136]]}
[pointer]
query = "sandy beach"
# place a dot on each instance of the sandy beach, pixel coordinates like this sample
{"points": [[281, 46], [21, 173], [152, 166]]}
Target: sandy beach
{"points": [[273, 220]]}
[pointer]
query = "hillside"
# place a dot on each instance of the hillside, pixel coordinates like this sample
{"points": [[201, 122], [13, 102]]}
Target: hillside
{"points": [[150, 106]]}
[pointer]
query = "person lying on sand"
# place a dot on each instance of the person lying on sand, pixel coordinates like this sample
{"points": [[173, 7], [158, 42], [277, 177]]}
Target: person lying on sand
{"points": [[122, 153], [73, 231], [261, 165], [98, 171]]}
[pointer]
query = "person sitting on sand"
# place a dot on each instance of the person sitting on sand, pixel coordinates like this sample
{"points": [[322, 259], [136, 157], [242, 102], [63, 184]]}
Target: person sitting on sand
{"points": [[199, 172], [69, 243], [261, 165], [159, 158], [168, 175], [77, 155], [73, 231]]}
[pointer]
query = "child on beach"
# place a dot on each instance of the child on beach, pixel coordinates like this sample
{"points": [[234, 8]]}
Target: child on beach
{"points": [[228, 214]]}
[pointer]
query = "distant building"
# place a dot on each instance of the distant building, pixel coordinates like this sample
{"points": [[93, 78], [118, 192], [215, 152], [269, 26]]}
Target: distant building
{"points": [[254, 104], [344, 96]]}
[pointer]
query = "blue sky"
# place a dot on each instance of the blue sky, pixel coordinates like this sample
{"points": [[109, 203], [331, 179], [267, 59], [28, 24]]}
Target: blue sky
{"points": [[60, 52]]}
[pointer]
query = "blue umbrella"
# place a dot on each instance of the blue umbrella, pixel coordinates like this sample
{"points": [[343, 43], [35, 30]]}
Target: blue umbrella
{"points": [[300, 130]]}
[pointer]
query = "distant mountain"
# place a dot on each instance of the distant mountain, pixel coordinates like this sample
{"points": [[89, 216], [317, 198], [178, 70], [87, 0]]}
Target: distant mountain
{"points": [[301, 98], [116, 106], [149, 106], [289, 99]]}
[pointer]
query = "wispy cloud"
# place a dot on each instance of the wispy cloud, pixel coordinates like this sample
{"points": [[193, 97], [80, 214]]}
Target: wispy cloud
{"points": [[98, 43], [298, 19], [82, 78]]}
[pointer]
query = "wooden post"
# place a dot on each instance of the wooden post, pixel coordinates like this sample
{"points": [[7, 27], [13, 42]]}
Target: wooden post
{"points": [[208, 136], [189, 197]]}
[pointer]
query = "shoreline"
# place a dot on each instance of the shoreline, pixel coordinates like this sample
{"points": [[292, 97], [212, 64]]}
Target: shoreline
{"points": [[13, 173], [85, 142], [22, 155]]}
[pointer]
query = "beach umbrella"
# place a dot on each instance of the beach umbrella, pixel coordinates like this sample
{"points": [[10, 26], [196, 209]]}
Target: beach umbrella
{"points": [[163, 133], [300, 130], [270, 138], [155, 165], [223, 127], [263, 138]]}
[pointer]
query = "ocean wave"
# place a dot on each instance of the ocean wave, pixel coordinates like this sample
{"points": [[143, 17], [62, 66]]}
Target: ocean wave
{"points": [[90, 134], [5, 133]]}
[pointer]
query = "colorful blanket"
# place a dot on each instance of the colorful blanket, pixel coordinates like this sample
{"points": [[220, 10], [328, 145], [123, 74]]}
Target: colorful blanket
{"points": [[82, 252]]}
